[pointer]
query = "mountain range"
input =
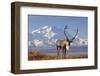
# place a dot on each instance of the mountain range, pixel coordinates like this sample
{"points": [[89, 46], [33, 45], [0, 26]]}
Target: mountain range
{"points": [[47, 36]]}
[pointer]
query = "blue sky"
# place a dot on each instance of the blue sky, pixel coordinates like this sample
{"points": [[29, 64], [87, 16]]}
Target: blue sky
{"points": [[38, 21]]}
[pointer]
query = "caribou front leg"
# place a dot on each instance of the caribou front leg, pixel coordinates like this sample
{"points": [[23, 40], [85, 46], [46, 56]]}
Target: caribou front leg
{"points": [[57, 51]]}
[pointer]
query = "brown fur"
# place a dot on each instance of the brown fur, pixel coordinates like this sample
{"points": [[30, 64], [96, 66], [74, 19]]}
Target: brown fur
{"points": [[61, 45]]}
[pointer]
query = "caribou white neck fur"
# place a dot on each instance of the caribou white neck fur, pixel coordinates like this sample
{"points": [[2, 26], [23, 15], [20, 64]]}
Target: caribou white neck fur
{"points": [[67, 47]]}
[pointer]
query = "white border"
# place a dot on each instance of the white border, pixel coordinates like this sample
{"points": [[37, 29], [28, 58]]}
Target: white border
{"points": [[25, 64]]}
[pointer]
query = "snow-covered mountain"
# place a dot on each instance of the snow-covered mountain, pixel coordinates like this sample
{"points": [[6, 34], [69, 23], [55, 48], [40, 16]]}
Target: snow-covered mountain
{"points": [[47, 36], [46, 31], [80, 42]]}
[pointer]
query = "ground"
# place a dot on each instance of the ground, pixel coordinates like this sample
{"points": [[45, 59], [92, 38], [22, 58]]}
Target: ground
{"points": [[45, 56]]}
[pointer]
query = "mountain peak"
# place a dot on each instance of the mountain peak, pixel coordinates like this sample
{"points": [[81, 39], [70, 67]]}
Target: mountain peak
{"points": [[46, 31]]}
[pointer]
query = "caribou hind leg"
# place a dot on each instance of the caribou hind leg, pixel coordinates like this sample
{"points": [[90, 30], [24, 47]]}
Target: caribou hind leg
{"points": [[65, 53]]}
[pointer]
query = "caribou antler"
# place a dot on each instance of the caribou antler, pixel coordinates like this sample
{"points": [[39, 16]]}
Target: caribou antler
{"points": [[65, 33], [66, 27], [75, 35]]}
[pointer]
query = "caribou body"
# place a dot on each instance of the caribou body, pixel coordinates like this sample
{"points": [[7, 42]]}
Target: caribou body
{"points": [[64, 44]]}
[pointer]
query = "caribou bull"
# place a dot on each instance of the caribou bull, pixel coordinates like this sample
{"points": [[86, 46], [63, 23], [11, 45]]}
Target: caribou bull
{"points": [[64, 44]]}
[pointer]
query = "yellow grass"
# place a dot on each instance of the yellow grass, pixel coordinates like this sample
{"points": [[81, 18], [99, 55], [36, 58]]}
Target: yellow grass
{"points": [[43, 56]]}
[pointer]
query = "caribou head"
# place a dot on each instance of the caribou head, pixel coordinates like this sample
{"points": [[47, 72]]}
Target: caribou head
{"points": [[64, 44]]}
